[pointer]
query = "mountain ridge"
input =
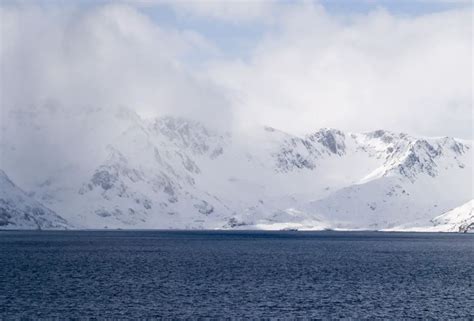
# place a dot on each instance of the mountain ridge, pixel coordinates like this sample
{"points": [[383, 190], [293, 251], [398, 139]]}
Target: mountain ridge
{"points": [[172, 172]]}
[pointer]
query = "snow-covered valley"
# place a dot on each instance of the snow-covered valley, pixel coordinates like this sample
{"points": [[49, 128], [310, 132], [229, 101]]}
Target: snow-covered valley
{"points": [[177, 173]]}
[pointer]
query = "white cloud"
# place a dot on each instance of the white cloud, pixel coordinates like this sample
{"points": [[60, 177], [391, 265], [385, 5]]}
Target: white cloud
{"points": [[358, 72], [101, 56], [312, 69], [57, 64]]}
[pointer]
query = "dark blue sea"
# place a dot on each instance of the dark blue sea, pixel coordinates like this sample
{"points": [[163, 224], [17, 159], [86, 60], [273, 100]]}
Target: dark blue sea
{"points": [[183, 274]]}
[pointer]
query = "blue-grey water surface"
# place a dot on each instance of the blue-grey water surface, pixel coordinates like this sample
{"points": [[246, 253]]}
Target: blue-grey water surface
{"points": [[173, 274]]}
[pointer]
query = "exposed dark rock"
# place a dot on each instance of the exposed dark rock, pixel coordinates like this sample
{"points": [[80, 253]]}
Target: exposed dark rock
{"points": [[332, 139], [204, 208], [104, 179]]}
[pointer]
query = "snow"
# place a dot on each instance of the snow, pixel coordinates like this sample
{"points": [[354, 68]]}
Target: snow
{"points": [[459, 219]]}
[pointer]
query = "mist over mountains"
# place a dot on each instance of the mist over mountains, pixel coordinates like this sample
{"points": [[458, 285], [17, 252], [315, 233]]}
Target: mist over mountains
{"points": [[172, 172], [228, 114]]}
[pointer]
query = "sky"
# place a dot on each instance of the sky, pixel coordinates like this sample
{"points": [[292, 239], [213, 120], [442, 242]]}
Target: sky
{"points": [[404, 66]]}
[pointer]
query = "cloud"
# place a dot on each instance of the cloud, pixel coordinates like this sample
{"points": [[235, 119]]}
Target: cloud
{"points": [[102, 56], [66, 70], [357, 72], [311, 69]]}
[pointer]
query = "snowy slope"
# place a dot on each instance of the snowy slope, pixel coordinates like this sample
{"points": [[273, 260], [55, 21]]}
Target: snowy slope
{"points": [[177, 173], [19, 211], [459, 219]]}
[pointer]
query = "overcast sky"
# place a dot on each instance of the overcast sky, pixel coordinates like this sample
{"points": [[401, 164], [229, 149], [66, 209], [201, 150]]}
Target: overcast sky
{"points": [[298, 66]]}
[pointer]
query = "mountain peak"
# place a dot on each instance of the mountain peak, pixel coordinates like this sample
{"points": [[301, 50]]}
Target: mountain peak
{"points": [[190, 135], [332, 139]]}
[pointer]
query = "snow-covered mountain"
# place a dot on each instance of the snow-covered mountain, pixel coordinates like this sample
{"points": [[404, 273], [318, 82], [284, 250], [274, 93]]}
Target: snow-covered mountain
{"points": [[19, 211], [459, 219], [177, 173], [418, 177]]}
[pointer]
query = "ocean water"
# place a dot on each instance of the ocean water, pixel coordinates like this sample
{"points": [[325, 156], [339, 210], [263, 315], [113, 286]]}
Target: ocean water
{"points": [[173, 274]]}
